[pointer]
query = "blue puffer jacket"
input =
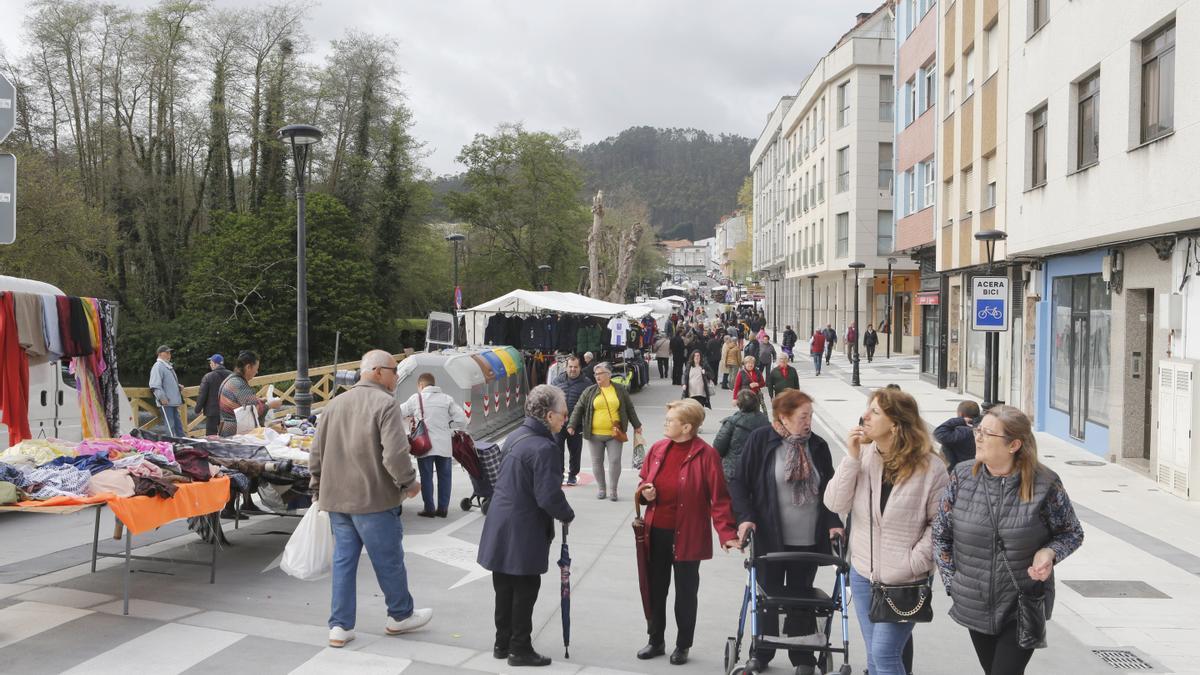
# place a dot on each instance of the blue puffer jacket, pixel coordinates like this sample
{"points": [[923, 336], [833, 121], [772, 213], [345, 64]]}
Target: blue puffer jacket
{"points": [[572, 388]]}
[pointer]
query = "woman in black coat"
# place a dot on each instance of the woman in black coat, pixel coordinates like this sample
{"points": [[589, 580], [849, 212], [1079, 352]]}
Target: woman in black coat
{"points": [[778, 491], [519, 527], [870, 340], [699, 380]]}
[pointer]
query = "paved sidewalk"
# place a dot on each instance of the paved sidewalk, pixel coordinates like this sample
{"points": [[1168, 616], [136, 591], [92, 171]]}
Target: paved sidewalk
{"points": [[1133, 584], [257, 619]]}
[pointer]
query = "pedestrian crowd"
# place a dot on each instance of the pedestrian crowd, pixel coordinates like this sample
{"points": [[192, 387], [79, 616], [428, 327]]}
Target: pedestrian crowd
{"points": [[985, 514]]}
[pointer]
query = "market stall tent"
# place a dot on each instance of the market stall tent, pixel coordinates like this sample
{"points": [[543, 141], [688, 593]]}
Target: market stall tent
{"points": [[522, 301]]}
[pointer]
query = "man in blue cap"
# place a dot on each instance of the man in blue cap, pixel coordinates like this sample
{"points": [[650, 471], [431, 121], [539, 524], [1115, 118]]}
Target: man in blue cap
{"points": [[208, 402]]}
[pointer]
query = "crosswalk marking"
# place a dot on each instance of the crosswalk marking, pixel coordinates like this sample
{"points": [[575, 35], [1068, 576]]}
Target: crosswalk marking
{"points": [[344, 661], [26, 619], [172, 648]]}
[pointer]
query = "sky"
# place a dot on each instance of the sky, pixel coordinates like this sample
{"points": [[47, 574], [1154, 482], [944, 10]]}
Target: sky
{"points": [[597, 67]]}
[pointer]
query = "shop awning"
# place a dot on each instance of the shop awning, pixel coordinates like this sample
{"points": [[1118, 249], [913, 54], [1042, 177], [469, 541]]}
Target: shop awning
{"points": [[522, 301]]}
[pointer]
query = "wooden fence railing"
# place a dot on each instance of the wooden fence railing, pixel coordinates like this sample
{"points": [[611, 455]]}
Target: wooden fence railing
{"points": [[143, 403]]}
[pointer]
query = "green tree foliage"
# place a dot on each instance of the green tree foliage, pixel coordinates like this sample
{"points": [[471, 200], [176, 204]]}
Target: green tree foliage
{"points": [[688, 178], [523, 209]]}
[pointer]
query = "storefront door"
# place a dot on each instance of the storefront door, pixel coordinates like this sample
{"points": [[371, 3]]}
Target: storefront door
{"points": [[1079, 385], [930, 337]]}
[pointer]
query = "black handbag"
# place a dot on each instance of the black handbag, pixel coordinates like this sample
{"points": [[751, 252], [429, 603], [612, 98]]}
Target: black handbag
{"points": [[896, 603], [1031, 607]]}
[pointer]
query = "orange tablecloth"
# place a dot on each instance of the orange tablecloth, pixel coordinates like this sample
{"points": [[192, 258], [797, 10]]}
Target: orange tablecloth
{"points": [[142, 514]]}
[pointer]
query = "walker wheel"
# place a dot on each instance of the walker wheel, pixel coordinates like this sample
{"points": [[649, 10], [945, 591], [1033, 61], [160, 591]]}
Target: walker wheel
{"points": [[730, 654], [465, 504]]}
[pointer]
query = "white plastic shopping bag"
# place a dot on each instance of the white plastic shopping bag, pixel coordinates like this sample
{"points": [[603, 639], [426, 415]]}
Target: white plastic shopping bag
{"points": [[309, 552]]}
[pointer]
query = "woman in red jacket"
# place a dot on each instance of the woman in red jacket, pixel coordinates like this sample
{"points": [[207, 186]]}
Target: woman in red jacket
{"points": [[684, 487], [749, 378]]}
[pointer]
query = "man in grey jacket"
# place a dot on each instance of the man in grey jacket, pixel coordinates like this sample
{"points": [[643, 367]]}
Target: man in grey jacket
{"points": [[361, 472], [573, 383], [168, 393]]}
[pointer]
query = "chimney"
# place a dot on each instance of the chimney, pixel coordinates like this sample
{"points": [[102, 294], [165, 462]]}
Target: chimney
{"points": [[862, 16]]}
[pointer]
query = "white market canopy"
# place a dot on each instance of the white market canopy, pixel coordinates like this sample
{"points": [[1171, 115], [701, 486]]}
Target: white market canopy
{"points": [[522, 301]]}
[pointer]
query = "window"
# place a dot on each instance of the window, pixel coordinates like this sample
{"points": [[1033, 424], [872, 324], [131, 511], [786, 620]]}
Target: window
{"points": [[1037, 147], [966, 199], [843, 103], [969, 67], [843, 235], [821, 119], [930, 86], [821, 182], [1099, 330], [910, 102], [950, 90], [1087, 144], [843, 169], [821, 242], [885, 166], [930, 172], [914, 15], [991, 55], [989, 182], [886, 233], [910, 192], [1158, 83], [1039, 14], [887, 98]]}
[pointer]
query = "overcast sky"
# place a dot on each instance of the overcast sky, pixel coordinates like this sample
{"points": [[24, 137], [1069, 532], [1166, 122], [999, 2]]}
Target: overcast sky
{"points": [[599, 67]]}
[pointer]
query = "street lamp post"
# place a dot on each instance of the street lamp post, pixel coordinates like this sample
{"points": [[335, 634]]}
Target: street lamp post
{"points": [[774, 279], [301, 137], [812, 305], [457, 240], [888, 318], [991, 351], [854, 374], [544, 271]]}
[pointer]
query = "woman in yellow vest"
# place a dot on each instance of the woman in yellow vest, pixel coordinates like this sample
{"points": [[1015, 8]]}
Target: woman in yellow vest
{"points": [[603, 413]]}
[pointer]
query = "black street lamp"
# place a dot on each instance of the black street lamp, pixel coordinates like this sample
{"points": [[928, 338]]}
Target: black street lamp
{"points": [[888, 318], [456, 239], [301, 137], [854, 375], [544, 272], [774, 278], [812, 305], [991, 351]]}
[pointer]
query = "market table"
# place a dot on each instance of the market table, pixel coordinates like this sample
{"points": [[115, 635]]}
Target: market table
{"points": [[141, 514]]}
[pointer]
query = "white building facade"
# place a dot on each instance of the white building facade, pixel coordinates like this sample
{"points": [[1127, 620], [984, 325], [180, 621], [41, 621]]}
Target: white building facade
{"points": [[1103, 209], [823, 166]]}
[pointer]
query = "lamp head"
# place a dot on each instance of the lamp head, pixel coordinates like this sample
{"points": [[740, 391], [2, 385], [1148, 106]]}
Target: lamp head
{"points": [[891, 261], [857, 265], [299, 134], [543, 268], [456, 237]]}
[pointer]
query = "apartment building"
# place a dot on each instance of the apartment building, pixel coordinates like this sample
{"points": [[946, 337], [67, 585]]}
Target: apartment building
{"points": [[971, 176], [917, 309], [1104, 134], [823, 169], [730, 232]]}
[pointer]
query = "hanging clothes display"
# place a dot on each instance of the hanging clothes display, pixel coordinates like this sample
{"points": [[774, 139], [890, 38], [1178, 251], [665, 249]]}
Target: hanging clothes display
{"points": [[618, 331], [110, 395], [50, 327], [14, 374], [30, 331]]}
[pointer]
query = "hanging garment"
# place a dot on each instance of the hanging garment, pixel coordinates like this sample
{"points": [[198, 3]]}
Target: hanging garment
{"points": [[69, 344], [81, 332], [30, 331], [618, 328], [50, 326], [110, 395], [512, 331], [87, 387], [550, 337], [14, 374], [494, 333]]}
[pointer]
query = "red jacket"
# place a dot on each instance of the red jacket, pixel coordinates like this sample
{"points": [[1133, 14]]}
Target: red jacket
{"points": [[818, 343], [744, 378], [703, 499]]}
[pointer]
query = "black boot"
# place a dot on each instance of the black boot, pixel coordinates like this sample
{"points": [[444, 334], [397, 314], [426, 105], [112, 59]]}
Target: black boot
{"points": [[651, 650]]}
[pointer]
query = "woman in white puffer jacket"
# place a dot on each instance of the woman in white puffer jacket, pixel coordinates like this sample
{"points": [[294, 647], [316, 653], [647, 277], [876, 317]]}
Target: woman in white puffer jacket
{"points": [[442, 415]]}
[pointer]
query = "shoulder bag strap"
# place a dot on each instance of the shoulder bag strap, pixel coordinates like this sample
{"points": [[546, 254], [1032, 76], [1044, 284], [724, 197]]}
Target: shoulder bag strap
{"points": [[421, 403], [999, 539], [871, 521]]}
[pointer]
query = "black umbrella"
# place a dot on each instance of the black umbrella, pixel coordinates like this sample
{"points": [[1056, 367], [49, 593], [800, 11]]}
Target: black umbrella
{"points": [[564, 566]]}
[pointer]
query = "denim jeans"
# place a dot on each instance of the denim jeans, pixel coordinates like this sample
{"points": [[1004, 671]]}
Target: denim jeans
{"points": [[172, 420], [817, 362], [381, 533], [885, 641], [427, 465]]}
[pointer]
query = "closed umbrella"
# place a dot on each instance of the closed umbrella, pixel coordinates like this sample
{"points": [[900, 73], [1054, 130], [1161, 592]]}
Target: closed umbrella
{"points": [[564, 566], [642, 544]]}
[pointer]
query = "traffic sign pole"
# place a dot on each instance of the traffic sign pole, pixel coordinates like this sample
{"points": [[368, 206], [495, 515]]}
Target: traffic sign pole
{"points": [[8, 164]]}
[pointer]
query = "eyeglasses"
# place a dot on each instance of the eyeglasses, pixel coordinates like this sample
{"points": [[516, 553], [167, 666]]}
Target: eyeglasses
{"points": [[980, 431]]}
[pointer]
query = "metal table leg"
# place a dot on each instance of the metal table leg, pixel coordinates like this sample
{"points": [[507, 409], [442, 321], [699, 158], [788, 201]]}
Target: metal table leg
{"points": [[96, 537], [216, 523], [128, 548]]}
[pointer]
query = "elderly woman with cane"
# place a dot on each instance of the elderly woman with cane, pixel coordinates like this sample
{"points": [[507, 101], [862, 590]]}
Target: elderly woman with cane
{"points": [[517, 533], [684, 487]]}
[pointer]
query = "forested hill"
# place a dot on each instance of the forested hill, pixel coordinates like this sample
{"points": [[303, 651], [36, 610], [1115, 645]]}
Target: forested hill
{"points": [[688, 178]]}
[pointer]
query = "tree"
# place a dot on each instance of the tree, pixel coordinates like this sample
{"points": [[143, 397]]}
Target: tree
{"points": [[615, 242], [522, 207]]}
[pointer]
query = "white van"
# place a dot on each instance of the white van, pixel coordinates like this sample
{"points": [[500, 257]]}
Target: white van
{"points": [[53, 403]]}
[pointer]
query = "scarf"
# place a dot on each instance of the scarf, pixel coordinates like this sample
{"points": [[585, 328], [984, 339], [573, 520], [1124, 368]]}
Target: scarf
{"points": [[803, 478]]}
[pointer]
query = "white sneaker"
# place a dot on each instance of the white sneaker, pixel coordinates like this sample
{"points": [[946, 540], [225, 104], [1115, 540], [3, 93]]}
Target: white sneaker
{"points": [[419, 618], [339, 637]]}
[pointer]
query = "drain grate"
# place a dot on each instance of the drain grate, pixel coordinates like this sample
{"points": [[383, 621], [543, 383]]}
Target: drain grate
{"points": [[1122, 659], [1085, 462], [1115, 588]]}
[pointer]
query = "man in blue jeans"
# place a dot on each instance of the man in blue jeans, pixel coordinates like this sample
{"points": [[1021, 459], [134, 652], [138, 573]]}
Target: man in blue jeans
{"points": [[361, 472]]}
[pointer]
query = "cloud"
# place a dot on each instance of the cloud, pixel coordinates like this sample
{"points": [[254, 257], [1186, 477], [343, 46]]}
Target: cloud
{"points": [[598, 67]]}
